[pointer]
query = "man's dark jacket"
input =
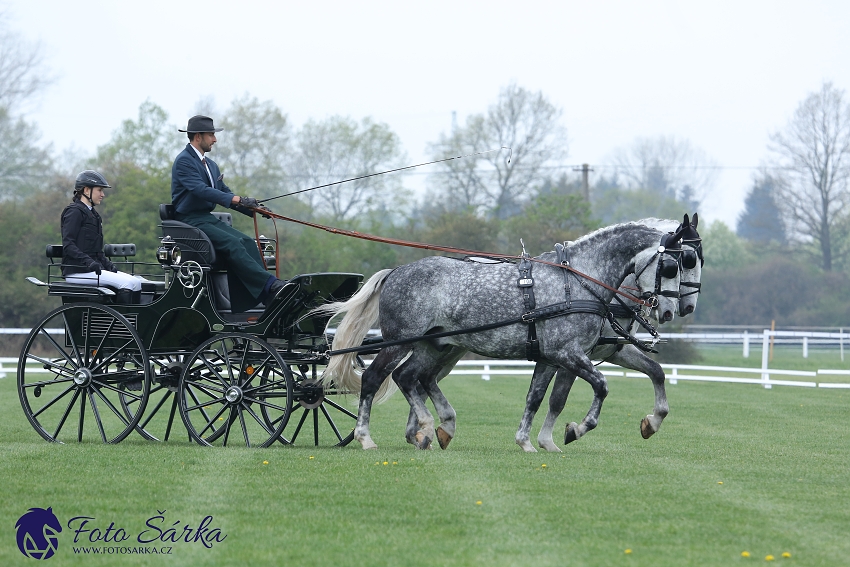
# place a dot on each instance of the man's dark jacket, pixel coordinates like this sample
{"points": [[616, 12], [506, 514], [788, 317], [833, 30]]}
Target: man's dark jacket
{"points": [[190, 185], [82, 240]]}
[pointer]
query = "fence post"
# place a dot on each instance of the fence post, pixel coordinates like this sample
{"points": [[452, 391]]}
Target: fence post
{"points": [[805, 347], [765, 346], [841, 341], [485, 374], [673, 376], [2, 372], [746, 344]]}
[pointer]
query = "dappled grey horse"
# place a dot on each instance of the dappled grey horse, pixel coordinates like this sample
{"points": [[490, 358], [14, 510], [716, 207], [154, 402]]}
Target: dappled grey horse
{"points": [[438, 294], [625, 355]]}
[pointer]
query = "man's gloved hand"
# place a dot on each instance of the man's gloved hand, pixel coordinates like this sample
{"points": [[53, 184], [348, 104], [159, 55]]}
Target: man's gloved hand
{"points": [[249, 202], [95, 267], [264, 208]]}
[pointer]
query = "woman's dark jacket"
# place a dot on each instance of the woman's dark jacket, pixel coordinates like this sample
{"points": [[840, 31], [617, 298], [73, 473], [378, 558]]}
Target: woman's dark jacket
{"points": [[82, 240]]}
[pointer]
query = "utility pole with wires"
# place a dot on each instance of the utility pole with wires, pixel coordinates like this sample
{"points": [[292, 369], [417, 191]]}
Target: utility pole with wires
{"points": [[585, 186]]}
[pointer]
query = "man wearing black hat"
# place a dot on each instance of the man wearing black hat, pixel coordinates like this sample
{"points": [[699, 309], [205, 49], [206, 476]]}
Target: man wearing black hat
{"points": [[197, 186]]}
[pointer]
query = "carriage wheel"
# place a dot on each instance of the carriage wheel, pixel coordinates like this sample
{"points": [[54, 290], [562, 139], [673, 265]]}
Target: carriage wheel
{"points": [[76, 371], [320, 415], [221, 393], [157, 423]]}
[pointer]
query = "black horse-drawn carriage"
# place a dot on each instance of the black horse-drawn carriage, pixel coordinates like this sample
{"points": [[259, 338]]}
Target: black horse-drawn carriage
{"points": [[101, 366]]}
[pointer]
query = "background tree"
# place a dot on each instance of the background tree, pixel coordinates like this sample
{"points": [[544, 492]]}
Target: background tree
{"points": [[761, 219], [814, 152], [254, 147], [340, 148], [23, 74], [669, 167], [520, 119]]}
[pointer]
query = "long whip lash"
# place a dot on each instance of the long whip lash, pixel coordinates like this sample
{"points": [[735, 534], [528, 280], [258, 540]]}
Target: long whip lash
{"points": [[390, 171]]}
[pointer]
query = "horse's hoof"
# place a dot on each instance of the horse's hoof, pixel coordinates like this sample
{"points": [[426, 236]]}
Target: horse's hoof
{"points": [[550, 446], [571, 433], [422, 441], [370, 445], [526, 446], [443, 438], [646, 430]]}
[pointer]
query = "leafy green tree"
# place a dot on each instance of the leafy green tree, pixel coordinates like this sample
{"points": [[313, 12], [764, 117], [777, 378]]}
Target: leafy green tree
{"points": [[24, 167], [150, 142], [254, 147], [550, 218], [616, 204], [723, 249]]}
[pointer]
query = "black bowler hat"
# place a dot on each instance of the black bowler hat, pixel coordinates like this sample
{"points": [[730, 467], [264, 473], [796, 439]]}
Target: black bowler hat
{"points": [[200, 124]]}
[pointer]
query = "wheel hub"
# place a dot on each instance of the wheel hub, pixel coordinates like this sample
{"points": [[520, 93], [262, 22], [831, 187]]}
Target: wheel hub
{"points": [[82, 377], [233, 394], [312, 394]]}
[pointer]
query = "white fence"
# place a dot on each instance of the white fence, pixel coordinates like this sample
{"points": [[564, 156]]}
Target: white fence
{"points": [[674, 372]]}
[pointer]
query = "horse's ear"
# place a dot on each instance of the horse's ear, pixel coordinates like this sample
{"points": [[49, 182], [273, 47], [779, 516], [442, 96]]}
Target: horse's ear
{"points": [[695, 222], [686, 221]]}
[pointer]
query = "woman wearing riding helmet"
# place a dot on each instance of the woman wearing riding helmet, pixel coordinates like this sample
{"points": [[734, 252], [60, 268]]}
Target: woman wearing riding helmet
{"points": [[83, 260]]}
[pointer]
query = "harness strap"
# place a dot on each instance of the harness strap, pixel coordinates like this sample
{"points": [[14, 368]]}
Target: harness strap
{"points": [[525, 283]]}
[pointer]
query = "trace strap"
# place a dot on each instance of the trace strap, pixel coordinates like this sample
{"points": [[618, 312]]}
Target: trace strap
{"points": [[447, 249]]}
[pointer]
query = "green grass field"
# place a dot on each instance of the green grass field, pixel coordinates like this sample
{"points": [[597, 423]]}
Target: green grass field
{"points": [[734, 468]]}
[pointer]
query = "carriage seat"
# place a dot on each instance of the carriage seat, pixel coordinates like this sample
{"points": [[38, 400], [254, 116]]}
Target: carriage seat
{"points": [[95, 292], [194, 244]]}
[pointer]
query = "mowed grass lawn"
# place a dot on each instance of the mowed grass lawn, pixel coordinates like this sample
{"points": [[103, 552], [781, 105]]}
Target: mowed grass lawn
{"points": [[734, 468]]}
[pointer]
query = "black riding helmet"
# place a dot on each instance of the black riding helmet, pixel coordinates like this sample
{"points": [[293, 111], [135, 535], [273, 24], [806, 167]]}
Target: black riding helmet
{"points": [[89, 178]]}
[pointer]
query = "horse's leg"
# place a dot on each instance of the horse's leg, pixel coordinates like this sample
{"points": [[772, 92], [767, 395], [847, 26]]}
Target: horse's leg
{"points": [[631, 357], [557, 400], [408, 376], [445, 411], [578, 363], [536, 392], [412, 425], [371, 381]]}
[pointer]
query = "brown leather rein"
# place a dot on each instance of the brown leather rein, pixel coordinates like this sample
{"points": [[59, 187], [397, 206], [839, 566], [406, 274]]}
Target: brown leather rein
{"points": [[426, 246]]}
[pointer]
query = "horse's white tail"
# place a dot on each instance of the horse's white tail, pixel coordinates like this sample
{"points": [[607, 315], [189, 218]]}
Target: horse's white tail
{"points": [[361, 314]]}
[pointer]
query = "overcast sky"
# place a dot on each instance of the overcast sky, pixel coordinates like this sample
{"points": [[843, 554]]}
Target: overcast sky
{"points": [[723, 75]]}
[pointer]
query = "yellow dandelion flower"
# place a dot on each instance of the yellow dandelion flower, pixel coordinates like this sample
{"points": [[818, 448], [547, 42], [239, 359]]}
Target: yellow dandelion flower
{"points": [[719, 482], [377, 462], [543, 466], [745, 554], [386, 463], [786, 555], [478, 502], [265, 462], [395, 462], [312, 457], [769, 558], [628, 552]]}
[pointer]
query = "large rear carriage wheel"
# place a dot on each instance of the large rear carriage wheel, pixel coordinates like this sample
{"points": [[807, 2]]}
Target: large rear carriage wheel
{"points": [[228, 382], [160, 418], [78, 369]]}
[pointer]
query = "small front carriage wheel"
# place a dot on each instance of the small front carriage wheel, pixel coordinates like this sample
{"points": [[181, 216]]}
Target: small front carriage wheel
{"points": [[221, 393], [77, 370]]}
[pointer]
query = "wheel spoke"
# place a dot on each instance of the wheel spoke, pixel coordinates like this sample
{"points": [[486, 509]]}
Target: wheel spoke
{"points": [[97, 416], [227, 364], [316, 427], [212, 369], [330, 422], [65, 415], [300, 423], [211, 421], [155, 409], [59, 348], [227, 423], [109, 358], [88, 335], [205, 404], [336, 406], [82, 418], [106, 334], [203, 412], [114, 389], [46, 383], [111, 406], [170, 418], [54, 400], [257, 418], [244, 429], [70, 336], [264, 403]]}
